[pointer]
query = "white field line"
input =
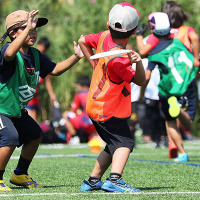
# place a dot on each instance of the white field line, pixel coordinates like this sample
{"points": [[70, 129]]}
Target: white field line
{"points": [[102, 194], [55, 156], [133, 155], [187, 144]]}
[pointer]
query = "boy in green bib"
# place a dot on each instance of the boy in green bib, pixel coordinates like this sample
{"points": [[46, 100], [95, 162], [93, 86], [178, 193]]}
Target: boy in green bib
{"points": [[20, 68], [177, 68]]}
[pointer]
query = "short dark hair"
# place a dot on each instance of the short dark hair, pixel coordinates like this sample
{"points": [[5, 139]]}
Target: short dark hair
{"points": [[121, 35], [45, 41], [175, 12], [84, 80]]}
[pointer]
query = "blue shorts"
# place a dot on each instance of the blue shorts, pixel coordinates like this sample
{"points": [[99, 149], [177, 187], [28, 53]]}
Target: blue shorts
{"points": [[17, 131], [188, 101]]}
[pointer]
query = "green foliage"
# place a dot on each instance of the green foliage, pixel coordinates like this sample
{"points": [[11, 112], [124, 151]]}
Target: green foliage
{"points": [[68, 19]]}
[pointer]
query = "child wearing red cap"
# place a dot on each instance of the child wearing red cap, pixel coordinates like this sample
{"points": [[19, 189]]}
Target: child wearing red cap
{"points": [[109, 99], [21, 65]]}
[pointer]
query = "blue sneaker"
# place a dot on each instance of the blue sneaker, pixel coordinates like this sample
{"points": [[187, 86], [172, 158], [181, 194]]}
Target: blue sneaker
{"points": [[118, 186], [182, 158], [87, 186]]}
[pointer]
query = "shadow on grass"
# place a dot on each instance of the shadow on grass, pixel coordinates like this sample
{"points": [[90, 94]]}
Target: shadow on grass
{"points": [[49, 186], [154, 188]]}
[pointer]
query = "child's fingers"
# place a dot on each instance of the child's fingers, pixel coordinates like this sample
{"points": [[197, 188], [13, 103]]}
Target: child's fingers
{"points": [[33, 13], [36, 20], [129, 56], [75, 44]]}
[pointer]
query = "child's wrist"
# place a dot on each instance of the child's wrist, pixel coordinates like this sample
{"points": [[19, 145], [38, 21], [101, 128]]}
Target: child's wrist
{"points": [[77, 56]]}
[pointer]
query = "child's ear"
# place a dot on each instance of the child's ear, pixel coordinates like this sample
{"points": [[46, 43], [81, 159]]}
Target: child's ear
{"points": [[108, 25]]}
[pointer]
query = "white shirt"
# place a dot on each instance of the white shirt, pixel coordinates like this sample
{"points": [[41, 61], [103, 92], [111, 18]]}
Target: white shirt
{"points": [[151, 91]]}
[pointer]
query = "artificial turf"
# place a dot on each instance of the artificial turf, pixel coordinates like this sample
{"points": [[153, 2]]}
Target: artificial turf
{"points": [[62, 168]]}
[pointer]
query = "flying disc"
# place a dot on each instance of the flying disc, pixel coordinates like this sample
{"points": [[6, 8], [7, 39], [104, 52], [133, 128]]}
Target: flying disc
{"points": [[110, 53]]}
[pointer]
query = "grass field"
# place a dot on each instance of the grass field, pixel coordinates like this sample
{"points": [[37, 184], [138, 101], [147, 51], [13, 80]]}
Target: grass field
{"points": [[62, 168]]}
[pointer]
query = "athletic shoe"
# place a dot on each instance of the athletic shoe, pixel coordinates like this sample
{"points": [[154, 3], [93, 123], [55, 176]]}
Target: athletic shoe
{"points": [[117, 186], [173, 150], [24, 180], [87, 186], [182, 158], [174, 107], [3, 187]]}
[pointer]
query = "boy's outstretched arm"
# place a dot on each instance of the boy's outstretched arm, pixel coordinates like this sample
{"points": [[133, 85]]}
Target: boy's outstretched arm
{"points": [[63, 66], [87, 51], [15, 46], [139, 77], [143, 49]]}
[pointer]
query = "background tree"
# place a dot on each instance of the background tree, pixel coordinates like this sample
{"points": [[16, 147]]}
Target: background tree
{"points": [[68, 19]]}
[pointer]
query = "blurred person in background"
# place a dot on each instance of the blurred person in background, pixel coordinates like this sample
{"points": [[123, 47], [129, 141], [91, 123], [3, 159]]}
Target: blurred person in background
{"points": [[146, 113], [177, 68], [83, 128], [188, 36]]}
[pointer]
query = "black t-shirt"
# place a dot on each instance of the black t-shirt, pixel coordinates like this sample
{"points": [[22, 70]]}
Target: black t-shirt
{"points": [[7, 69]]}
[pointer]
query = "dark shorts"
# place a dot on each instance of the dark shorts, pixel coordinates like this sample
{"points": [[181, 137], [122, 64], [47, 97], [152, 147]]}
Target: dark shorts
{"points": [[153, 122], [115, 133], [188, 101], [18, 131]]}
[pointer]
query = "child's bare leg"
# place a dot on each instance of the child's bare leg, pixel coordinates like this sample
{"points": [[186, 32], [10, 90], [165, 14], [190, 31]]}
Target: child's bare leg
{"points": [[185, 120], [175, 136], [5, 154], [119, 160], [103, 162]]}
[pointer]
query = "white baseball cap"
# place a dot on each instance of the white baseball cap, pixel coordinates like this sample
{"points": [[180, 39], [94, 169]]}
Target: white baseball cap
{"points": [[123, 17], [162, 23]]}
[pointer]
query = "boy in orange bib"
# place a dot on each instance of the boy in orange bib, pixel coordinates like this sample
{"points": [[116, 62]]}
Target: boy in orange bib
{"points": [[109, 99]]}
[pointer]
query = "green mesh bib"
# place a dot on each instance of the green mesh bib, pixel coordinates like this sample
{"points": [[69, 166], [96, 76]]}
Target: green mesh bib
{"points": [[179, 66], [20, 88]]}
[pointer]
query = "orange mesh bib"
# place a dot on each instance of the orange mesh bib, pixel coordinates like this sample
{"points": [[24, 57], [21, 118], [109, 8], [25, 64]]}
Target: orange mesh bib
{"points": [[183, 36], [107, 99]]}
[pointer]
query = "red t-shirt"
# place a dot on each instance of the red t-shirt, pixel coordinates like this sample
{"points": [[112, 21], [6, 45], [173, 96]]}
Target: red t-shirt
{"points": [[120, 68], [35, 101], [153, 40], [79, 101]]}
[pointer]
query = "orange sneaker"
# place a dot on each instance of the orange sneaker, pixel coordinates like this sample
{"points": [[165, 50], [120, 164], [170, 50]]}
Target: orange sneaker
{"points": [[173, 151]]}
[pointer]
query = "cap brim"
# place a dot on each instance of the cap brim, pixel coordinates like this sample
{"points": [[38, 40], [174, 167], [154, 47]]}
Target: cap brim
{"points": [[42, 21]]}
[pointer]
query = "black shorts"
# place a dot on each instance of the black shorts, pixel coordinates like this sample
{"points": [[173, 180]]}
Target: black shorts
{"points": [[115, 133], [18, 131], [188, 101]]}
